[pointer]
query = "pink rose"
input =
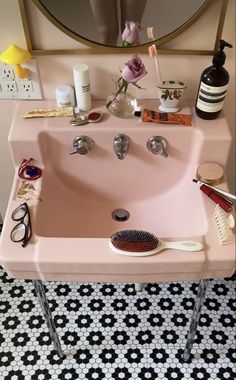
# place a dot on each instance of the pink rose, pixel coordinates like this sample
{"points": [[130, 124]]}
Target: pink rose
{"points": [[134, 70], [131, 34]]}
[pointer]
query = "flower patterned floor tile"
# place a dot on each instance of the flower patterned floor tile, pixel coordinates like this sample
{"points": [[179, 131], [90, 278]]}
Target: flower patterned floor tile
{"points": [[108, 331]]}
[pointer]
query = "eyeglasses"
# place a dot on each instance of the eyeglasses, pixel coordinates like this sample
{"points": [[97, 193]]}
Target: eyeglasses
{"points": [[22, 232]]}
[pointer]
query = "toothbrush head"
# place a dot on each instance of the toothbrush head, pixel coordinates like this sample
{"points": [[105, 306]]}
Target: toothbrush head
{"points": [[150, 32], [134, 240], [152, 50]]}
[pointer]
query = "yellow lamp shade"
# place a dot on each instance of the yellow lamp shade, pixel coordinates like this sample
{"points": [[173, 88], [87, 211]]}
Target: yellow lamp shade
{"points": [[14, 55]]}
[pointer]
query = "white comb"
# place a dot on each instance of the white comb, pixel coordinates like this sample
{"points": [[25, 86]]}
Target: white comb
{"points": [[224, 225]]}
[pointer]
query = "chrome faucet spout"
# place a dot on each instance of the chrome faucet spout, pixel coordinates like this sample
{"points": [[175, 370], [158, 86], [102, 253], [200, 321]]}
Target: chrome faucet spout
{"points": [[121, 146]]}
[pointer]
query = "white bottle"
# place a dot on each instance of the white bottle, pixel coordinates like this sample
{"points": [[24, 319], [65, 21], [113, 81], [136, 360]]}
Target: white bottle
{"points": [[82, 86]]}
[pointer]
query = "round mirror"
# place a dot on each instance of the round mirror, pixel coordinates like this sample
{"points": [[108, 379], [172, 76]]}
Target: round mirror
{"points": [[103, 21]]}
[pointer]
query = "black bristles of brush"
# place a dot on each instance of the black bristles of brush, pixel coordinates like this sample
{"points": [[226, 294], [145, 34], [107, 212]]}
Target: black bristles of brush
{"points": [[134, 240]]}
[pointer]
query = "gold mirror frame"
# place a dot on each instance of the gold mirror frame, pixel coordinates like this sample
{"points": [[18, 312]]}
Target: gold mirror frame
{"points": [[102, 49]]}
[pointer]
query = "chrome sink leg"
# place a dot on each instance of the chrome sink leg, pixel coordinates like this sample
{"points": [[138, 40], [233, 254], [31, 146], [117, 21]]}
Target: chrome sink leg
{"points": [[39, 289], [139, 286], [195, 318]]}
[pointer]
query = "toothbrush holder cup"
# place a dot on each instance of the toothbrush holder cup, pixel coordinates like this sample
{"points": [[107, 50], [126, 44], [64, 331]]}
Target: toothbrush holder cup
{"points": [[170, 94]]}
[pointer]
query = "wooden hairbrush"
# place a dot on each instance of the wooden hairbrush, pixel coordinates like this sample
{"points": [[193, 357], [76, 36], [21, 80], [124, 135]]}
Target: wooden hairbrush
{"points": [[143, 243]]}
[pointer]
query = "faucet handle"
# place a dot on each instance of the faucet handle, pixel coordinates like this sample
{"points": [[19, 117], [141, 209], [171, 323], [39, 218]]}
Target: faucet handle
{"points": [[82, 145], [157, 145]]}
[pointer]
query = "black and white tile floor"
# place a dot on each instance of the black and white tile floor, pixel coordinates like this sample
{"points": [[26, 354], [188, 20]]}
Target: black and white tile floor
{"points": [[110, 332]]}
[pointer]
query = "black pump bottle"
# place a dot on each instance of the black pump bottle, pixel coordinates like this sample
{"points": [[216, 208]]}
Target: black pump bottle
{"points": [[213, 86]]}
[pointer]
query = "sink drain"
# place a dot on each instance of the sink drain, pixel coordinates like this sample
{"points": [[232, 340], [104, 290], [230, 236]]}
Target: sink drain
{"points": [[120, 215]]}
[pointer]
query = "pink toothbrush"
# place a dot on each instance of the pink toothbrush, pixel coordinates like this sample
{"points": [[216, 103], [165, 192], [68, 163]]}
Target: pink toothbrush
{"points": [[152, 50]]}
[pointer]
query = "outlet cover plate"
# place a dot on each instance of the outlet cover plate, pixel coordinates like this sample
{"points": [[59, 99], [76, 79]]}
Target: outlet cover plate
{"points": [[12, 87]]}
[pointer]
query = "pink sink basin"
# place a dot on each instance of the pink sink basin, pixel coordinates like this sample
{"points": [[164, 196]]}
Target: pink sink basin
{"points": [[80, 193]]}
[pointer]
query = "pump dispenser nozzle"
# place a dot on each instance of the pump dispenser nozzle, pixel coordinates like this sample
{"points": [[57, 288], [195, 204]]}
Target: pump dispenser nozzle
{"points": [[224, 44], [219, 57]]}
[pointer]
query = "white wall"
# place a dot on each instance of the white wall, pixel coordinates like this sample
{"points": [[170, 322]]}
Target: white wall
{"points": [[56, 70]]}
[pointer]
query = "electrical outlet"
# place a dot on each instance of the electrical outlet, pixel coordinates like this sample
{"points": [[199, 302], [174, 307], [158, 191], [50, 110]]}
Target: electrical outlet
{"points": [[12, 87], [26, 86], [7, 72]]}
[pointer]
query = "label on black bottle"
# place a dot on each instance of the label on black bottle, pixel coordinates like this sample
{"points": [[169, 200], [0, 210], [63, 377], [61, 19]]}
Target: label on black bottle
{"points": [[211, 99]]}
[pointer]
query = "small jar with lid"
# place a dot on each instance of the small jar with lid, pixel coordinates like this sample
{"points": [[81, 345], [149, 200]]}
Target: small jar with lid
{"points": [[65, 96], [211, 173]]}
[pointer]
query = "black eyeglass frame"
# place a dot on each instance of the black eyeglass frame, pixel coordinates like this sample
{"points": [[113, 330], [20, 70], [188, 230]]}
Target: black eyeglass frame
{"points": [[28, 229]]}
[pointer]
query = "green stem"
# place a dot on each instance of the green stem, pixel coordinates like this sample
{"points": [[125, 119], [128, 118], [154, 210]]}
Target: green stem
{"points": [[125, 86], [126, 44]]}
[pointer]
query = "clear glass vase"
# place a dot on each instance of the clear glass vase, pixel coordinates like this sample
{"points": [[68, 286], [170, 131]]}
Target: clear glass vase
{"points": [[122, 105]]}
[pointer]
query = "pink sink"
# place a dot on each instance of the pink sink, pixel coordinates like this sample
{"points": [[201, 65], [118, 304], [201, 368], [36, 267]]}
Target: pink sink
{"points": [[72, 223], [80, 193]]}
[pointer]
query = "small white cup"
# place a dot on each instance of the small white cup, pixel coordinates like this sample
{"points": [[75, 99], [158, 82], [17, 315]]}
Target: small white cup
{"points": [[170, 93]]}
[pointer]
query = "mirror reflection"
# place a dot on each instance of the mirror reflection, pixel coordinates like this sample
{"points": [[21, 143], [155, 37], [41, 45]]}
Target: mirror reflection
{"points": [[105, 21]]}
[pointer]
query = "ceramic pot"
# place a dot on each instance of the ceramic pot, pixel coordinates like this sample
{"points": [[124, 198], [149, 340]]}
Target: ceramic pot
{"points": [[170, 93]]}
